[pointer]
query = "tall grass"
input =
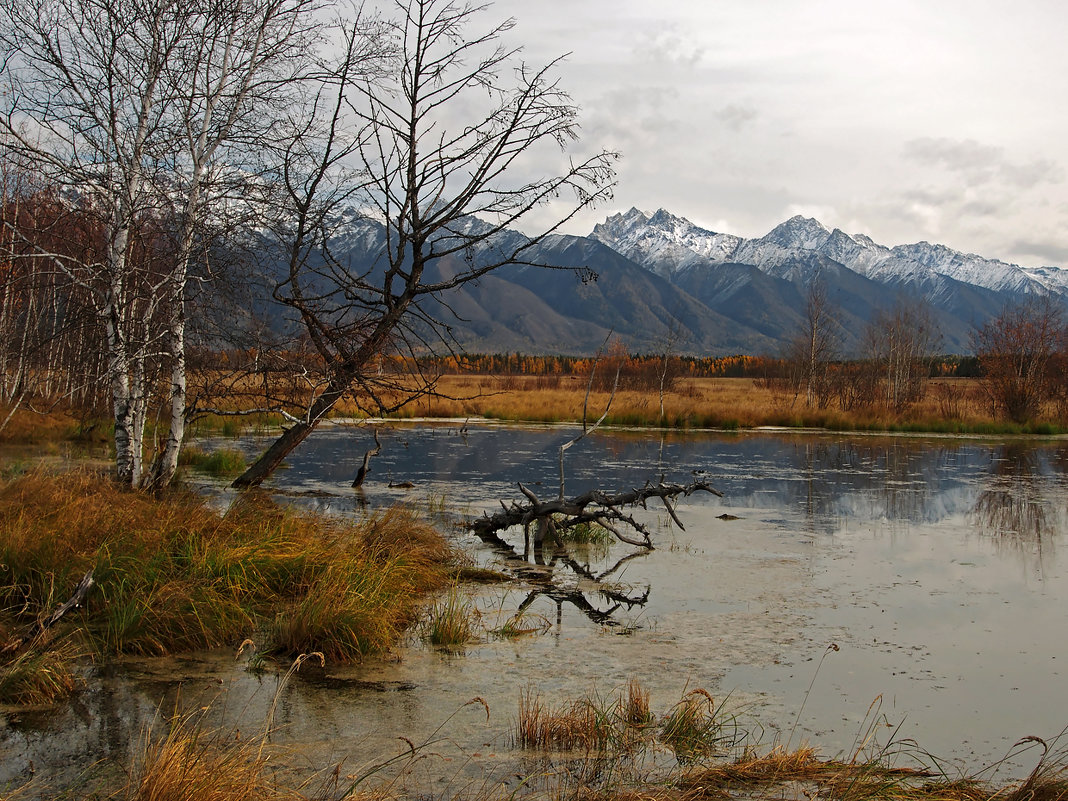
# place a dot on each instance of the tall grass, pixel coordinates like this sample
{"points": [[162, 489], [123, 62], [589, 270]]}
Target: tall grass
{"points": [[173, 575], [451, 621], [190, 763], [39, 674]]}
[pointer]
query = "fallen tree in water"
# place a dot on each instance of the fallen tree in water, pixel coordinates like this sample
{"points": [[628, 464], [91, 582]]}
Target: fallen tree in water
{"points": [[553, 518]]}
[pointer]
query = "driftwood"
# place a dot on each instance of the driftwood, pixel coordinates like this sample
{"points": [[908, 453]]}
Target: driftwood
{"points": [[551, 518], [44, 624]]}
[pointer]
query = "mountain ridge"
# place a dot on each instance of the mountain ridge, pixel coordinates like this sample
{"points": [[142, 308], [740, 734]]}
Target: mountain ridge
{"points": [[661, 278]]}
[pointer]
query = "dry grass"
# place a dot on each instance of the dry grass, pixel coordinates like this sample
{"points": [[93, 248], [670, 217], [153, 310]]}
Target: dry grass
{"points": [[191, 764], [951, 404], [41, 674], [578, 724], [173, 575], [625, 723]]}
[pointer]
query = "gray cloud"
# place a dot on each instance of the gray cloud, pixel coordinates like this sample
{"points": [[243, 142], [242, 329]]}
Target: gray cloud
{"points": [[735, 117], [667, 45], [1048, 252], [981, 164]]}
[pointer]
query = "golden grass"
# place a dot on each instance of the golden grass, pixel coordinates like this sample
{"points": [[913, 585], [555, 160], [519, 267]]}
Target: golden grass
{"points": [[625, 723], [190, 764], [40, 674], [173, 575], [949, 404]]}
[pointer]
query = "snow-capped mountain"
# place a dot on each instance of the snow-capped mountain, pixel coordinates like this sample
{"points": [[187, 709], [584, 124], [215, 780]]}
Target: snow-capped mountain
{"points": [[795, 249], [663, 242], [649, 277]]}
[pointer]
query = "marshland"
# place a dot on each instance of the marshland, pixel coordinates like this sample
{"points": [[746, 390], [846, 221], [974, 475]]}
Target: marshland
{"points": [[857, 614]]}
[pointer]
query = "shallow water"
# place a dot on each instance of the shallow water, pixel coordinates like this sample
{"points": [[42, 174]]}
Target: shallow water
{"points": [[932, 564]]}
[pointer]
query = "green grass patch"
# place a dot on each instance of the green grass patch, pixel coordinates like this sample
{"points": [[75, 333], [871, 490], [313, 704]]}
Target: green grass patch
{"points": [[220, 462], [451, 621]]}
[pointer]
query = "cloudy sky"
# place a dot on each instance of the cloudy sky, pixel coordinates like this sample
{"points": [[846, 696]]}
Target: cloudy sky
{"points": [[905, 120]]}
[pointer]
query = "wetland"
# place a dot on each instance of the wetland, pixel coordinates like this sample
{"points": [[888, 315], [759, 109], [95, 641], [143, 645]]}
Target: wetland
{"points": [[845, 590]]}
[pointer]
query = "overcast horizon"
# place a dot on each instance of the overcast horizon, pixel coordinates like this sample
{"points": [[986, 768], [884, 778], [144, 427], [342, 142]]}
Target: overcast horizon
{"points": [[901, 120]]}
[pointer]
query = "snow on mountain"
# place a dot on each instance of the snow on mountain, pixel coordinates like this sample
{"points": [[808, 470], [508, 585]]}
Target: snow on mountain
{"points": [[663, 242], [801, 246]]}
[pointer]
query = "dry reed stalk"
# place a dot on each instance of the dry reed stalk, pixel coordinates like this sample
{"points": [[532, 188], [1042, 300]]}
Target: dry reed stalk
{"points": [[575, 724]]}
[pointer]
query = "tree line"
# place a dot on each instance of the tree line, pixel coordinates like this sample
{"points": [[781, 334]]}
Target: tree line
{"points": [[1020, 357]]}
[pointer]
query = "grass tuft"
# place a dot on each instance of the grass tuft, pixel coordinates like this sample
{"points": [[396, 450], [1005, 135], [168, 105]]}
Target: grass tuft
{"points": [[222, 462], [691, 727], [40, 675], [451, 621]]}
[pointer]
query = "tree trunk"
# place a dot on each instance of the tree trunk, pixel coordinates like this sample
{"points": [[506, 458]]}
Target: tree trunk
{"points": [[298, 432]]}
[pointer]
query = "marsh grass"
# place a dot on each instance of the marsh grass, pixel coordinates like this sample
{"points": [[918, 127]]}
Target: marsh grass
{"points": [[41, 674], [584, 723], [173, 575], [586, 534], [692, 727], [220, 462], [522, 624], [452, 621], [190, 762]]}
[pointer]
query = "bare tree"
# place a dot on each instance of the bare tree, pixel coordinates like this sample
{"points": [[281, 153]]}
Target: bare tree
{"points": [[124, 107], [1017, 354], [448, 142], [899, 343], [814, 346]]}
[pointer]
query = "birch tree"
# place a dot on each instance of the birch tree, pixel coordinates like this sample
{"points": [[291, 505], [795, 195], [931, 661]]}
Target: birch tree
{"points": [[449, 146], [127, 108]]}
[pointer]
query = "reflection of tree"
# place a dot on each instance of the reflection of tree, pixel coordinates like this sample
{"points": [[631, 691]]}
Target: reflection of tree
{"points": [[893, 478], [1012, 507], [551, 568]]}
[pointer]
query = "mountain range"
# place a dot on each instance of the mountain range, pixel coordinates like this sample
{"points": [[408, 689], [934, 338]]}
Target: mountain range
{"points": [[659, 276]]}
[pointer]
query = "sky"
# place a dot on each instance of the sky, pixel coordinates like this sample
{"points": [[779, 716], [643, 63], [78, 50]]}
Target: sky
{"points": [[906, 120]]}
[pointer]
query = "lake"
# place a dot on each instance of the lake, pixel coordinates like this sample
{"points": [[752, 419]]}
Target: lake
{"points": [[931, 564]]}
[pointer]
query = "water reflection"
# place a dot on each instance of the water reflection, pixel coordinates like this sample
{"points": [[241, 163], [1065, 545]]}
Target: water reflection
{"points": [[563, 573], [1011, 504]]}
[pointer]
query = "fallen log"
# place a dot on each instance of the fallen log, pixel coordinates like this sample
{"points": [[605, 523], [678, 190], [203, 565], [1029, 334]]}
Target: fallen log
{"points": [[553, 517]]}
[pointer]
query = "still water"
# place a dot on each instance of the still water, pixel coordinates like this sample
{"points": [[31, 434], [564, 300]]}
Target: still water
{"points": [[933, 565]]}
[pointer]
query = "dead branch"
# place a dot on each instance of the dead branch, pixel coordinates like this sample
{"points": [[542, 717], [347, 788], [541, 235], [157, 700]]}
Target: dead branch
{"points": [[595, 506], [43, 625], [361, 474]]}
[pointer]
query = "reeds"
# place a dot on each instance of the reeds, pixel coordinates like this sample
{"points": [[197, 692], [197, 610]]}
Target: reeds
{"points": [[451, 621], [219, 462], [40, 674], [191, 763], [624, 723], [690, 727]]}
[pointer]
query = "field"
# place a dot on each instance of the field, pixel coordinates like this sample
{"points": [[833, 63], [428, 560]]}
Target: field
{"points": [[953, 405]]}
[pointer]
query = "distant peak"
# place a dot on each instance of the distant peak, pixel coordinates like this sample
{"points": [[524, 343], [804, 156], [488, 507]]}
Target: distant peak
{"points": [[799, 232]]}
